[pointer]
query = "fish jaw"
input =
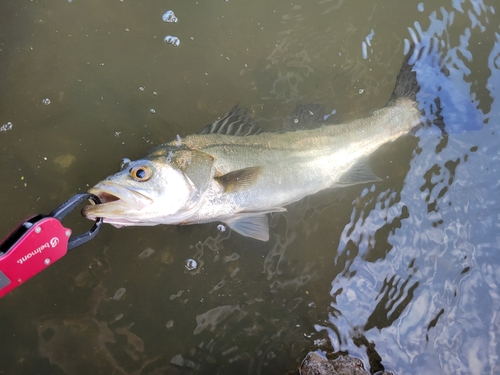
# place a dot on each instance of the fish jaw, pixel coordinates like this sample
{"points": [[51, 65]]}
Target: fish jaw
{"points": [[119, 204]]}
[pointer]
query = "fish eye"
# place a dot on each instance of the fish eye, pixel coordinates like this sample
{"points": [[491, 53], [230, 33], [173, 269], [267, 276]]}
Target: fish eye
{"points": [[141, 173], [124, 163]]}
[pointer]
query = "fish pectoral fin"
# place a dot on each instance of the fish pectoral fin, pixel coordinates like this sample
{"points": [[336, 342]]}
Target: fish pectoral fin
{"points": [[359, 173], [239, 179], [255, 226]]}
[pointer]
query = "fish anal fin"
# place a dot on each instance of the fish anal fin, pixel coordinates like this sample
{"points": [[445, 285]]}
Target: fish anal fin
{"points": [[239, 179], [359, 173]]}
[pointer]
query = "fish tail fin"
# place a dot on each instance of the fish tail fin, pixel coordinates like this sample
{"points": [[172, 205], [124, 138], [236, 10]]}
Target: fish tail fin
{"points": [[444, 100], [406, 82]]}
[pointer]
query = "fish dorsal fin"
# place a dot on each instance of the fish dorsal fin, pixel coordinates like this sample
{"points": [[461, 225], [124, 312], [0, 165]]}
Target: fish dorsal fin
{"points": [[235, 122], [359, 173], [239, 179]]}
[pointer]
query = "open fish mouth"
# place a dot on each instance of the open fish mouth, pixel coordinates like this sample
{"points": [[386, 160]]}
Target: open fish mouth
{"points": [[116, 202]]}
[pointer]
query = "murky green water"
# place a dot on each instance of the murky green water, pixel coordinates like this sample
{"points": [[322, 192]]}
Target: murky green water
{"points": [[402, 274]]}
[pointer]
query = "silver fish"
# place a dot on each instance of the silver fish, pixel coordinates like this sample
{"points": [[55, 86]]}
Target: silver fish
{"points": [[235, 174]]}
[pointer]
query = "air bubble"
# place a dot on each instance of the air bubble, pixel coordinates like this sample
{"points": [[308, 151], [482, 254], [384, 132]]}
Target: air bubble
{"points": [[119, 294], [221, 228], [173, 40], [6, 127], [231, 258], [146, 253], [46, 101], [141, 88], [169, 16], [170, 155], [152, 110], [191, 264]]}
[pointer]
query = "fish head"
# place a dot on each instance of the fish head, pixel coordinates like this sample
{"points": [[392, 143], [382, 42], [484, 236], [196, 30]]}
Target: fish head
{"points": [[150, 191]]}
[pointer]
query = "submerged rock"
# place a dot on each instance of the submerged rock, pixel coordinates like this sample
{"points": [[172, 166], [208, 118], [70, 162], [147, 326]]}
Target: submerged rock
{"points": [[315, 364]]}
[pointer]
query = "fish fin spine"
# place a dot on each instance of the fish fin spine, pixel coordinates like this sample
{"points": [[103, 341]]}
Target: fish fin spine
{"points": [[235, 122]]}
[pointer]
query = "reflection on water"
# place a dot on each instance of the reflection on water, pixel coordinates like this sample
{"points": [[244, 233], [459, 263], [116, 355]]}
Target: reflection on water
{"points": [[402, 274]]}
